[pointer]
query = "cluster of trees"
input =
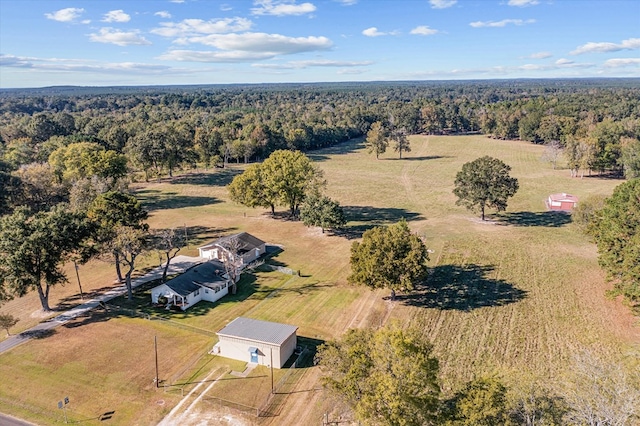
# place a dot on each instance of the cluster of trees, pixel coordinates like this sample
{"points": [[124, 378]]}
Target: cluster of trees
{"points": [[614, 225], [290, 179], [596, 122], [389, 376]]}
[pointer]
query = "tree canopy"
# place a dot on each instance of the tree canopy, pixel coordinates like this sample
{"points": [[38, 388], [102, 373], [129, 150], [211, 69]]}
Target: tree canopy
{"points": [[389, 257], [377, 140], [285, 178], [484, 182], [33, 248], [322, 211], [617, 234], [388, 376]]}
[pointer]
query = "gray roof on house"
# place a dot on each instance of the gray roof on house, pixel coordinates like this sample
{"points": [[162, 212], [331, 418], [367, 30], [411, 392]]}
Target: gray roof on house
{"points": [[259, 331], [246, 241], [207, 274]]}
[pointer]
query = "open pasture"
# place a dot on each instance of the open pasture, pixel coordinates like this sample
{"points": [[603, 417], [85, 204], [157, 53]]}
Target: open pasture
{"points": [[514, 296]]}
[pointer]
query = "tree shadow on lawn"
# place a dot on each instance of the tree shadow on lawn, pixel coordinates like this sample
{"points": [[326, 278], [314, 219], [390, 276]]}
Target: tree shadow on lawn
{"points": [[140, 306], [421, 158], [462, 288], [221, 177], [153, 199], [346, 147], [373, 216], [550, 219]]}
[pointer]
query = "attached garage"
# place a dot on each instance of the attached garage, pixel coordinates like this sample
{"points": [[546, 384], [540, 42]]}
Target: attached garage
{"points": [[256, 341]]}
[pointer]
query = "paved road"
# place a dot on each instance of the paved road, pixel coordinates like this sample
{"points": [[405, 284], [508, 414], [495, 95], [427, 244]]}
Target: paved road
{"points": [[178, 264], [6, 420]]}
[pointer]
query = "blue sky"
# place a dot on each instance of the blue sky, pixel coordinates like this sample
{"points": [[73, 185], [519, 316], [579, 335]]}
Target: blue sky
{"points": [[147, 42]]}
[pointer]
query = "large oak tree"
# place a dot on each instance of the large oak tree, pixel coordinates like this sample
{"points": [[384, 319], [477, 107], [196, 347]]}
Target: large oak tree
{"points": [[34, 247], [388, 376], [484, 182], [389, 257]]}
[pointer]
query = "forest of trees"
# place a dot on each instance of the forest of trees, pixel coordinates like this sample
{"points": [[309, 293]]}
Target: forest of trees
{"points": [[75, 145], [161, 129]]}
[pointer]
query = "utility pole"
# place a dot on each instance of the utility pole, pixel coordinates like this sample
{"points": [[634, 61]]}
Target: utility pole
{"points": [[78, 276], [271, 352], [155, 345]]}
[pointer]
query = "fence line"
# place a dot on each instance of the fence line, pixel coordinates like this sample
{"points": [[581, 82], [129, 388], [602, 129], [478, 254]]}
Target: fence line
{"points": [[254, 411], [282, 269]]}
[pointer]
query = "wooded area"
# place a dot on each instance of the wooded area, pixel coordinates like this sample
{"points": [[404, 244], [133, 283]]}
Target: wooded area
{"points": [[161, 129]]}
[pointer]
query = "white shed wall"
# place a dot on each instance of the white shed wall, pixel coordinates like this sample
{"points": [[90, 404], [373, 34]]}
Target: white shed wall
{"points": [[238, 349]]}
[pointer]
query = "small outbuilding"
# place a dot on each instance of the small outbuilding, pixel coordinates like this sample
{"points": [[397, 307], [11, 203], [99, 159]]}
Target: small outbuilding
{"points": [[205, 281], [256, 341], [245, 245], [561, 202]]}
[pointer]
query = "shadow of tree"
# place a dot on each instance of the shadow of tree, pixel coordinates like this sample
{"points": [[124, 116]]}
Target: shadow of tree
{"points": [[551, 219], [372, 216], [421, 158], [221, 177], [38, 333], [347, 147], [462, 288], [153, 199]]}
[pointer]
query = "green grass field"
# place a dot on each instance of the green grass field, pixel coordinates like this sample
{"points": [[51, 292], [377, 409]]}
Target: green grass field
{"points": [[515, 296]]}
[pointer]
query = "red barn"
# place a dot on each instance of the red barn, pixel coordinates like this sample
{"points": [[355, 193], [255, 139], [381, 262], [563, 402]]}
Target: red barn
{"points": [[562, 202]]}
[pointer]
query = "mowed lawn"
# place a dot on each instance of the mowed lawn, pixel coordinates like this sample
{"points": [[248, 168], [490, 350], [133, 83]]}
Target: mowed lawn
{"points": [[514, 296]]}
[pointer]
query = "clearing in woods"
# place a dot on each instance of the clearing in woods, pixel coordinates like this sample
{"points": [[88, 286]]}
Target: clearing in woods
{"points": [[514, 296]]}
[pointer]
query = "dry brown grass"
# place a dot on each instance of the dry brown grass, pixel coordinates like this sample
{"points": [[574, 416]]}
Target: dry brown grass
{"points": [[533, 292]]}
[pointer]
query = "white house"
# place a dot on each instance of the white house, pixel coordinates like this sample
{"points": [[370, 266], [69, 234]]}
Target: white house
{"points": [[248, 248], [256, 341], [205, 281]]}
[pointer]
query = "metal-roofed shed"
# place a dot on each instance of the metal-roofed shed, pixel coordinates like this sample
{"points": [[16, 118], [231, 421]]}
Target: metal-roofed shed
{"points": [[257, 341]]}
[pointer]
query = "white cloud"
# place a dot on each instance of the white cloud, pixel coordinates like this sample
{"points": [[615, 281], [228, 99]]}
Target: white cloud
{"points": [[120, 38], [564, 61], [262, 42], [622, 62], [603, 47], [81, 65], [313, 63], [523, 3], [192, 27], [281, 7], [540, 55], [442, 4], [226, 7], [351, 71], [177, 1], [116, 16], [163, 14], [347, 2], [247, 47], [373, 32], [500, 24], [423, 30], [69, 14], [214, 56]]}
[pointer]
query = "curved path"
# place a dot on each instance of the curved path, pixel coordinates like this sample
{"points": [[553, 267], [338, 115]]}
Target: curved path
{"points": [[178, 265]]}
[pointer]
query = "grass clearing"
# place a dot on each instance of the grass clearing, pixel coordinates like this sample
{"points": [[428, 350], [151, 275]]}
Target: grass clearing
{"points": [[516, 295]]}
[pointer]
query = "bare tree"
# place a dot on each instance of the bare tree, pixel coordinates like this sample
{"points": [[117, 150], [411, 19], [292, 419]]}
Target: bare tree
{"points": [[552, 152], [7, 321], [168, 243], [232, 260], [129, 243], [602, 393]]}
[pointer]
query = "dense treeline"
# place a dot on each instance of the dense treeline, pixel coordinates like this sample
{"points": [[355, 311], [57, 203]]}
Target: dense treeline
{"points": [[58, 142]]}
